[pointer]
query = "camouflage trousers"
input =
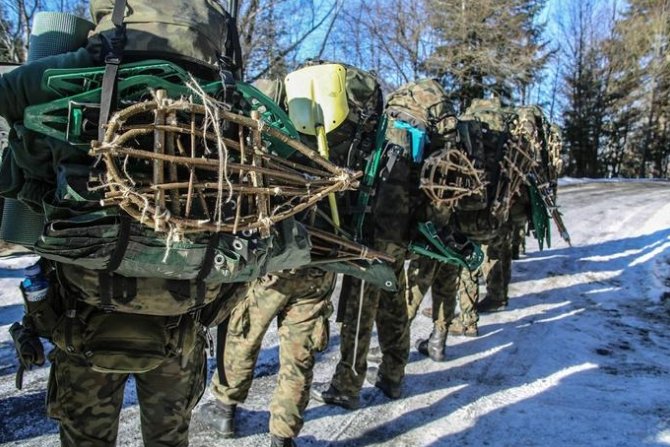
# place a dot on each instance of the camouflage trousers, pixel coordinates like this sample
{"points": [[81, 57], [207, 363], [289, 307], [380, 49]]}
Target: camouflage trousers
{"points": [[301, 303], [389, 311], [518, 241], [446, 291], [497, 267], [87, 403], [450, 285]]}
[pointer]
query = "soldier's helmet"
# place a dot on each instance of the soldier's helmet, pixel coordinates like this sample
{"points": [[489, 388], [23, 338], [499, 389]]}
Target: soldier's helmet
{"points": [[191, 33]]}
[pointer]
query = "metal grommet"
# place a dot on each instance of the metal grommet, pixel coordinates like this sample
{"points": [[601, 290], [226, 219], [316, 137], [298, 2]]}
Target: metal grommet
{"points": [[238, 245], [247, 233], [388, 284], [219, 260]]}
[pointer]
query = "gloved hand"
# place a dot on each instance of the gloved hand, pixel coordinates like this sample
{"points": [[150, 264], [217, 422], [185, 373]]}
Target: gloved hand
{"points": [[29, 350]]}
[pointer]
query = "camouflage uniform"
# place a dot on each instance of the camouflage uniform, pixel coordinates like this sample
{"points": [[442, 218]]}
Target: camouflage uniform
{"points": [[481, 226], [389, 311], [88, 373], [301, 303], [518, 241], [87, 403], [450, 284], [395, 214]]}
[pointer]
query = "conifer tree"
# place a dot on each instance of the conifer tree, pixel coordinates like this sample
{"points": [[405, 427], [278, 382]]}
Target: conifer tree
{"points": [[643, 42], [486, 47]]}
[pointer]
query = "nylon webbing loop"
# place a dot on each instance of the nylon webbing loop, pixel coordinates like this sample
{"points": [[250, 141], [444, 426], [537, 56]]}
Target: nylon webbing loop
{"points": [[221, 331], [112, 61], [121, 244], [205, 268], [115, 287]]}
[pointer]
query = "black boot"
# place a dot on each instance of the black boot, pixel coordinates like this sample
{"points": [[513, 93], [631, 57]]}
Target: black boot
{"points": [[434, 346], [277, 441], [487, 305], [219, 417], [328, 394], [392, 390]]}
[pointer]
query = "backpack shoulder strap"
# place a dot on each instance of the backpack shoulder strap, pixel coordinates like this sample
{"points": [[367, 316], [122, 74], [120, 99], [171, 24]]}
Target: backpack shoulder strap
{"points": [[112, 61]]}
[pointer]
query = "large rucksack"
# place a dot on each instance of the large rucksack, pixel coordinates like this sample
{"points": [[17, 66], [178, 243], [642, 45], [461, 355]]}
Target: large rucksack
{"points": [[84, 234], [422, 105], [505, 144], [191, 33], [360, 90]]}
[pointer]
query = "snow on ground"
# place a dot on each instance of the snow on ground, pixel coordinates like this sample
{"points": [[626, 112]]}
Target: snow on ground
{"points": [[580, 358]]}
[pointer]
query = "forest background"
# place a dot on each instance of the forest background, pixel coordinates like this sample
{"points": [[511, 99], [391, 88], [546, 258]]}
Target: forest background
{"points": [[599, 68]]}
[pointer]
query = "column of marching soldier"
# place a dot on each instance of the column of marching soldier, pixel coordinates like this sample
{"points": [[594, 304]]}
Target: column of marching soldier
{"points": [[87, 310], [300, 300]]}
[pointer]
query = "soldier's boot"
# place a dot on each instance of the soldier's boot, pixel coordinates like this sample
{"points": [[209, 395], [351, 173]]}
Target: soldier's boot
{"points": [[375, 355], [328, 394], [434, 346], [392, 390], [219, 417], [487, 305], [456, 327], [277, 441]]}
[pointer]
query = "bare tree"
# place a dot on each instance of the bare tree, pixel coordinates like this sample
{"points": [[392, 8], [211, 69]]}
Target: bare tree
{"points": [[272, 33], [18, 16], [384, 36], [586, 87]]}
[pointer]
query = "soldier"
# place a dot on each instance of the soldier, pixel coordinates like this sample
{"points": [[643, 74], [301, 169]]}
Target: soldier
{"points": [[421, 106], [482, 223], [301, 302], [105, 326]]}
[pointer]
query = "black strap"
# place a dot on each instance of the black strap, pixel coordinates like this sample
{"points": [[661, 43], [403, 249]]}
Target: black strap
{"points": [[112, 61], [115, 287], [205, 268], [496, 176], [121, 244], [221, 331], [106, 290], [231, 60], [349, 284]]}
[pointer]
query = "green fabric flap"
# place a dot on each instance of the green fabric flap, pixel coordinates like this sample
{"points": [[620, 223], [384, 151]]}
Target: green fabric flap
{"points": [[90, 239], [378, 274]]}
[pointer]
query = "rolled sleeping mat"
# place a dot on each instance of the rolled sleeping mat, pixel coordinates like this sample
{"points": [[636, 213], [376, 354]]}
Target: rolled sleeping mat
{"points": [[56, 33], [52, 33]]}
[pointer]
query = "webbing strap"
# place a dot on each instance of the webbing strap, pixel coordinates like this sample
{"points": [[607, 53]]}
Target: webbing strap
{"points": [[115, 287], [121, 244], [205, 268], [221, 331], [231, 60], [112, 62]]}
